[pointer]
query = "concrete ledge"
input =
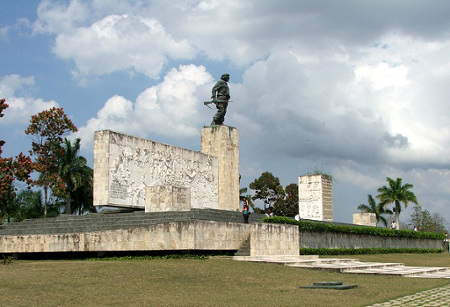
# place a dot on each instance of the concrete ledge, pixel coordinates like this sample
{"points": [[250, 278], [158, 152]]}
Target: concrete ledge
{"points": [[178, 235]]}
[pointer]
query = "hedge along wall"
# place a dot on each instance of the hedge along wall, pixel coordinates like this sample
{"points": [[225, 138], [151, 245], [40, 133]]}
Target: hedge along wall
{"points": [[314, 234], [315, 239]]}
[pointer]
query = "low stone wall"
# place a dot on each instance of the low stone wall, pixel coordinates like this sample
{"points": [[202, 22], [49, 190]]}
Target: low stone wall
{"points": [[269, 239], [180, 235], [314, 239]]}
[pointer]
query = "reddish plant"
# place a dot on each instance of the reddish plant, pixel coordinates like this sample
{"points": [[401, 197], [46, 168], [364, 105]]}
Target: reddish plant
{"points": [[47, 129], [11, 170]]}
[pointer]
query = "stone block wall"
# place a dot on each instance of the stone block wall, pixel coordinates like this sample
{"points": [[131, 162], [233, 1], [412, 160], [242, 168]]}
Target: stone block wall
{"points": [[274, 239], [365, 219], [167, 198], [315, 197], [181, 235], [125, 166]]}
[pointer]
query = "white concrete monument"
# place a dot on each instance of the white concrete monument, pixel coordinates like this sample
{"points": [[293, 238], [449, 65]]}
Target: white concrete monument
{"points": [[315, 197], [131, 172]]}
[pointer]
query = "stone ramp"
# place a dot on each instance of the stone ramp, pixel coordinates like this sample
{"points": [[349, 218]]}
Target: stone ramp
{"points": [[93, 222], [352, 266]]}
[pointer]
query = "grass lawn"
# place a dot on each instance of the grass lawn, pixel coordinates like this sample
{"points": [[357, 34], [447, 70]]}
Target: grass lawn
{"points": [[190, 282]]}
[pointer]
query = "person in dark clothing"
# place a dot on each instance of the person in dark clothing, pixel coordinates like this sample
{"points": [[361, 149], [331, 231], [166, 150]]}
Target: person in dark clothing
{"points": [[245, 210], [220, 96]]}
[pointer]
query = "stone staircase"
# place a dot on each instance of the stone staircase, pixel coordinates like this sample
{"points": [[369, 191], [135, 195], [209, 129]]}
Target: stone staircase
{"points": [[93, 222], [352, 266], [244, 249]]}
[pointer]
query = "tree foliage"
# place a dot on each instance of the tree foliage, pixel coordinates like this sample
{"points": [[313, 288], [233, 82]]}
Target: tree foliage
{"points": [[378, 209], [74, 173], [425, 221], [12, 170], [287, 205], [397, 194], [281, 201], [47, 129], [267, 189]]}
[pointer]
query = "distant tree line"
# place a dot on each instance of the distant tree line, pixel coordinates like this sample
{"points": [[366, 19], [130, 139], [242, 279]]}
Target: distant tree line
{"points": [[64, 181], [396, 193]]}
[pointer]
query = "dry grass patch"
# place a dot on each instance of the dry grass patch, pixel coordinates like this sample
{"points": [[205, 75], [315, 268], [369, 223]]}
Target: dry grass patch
{"points": [[189, 282]]}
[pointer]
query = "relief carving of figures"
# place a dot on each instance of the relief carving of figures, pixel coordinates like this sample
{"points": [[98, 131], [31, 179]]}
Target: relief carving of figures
{"points": [[142, 163]]}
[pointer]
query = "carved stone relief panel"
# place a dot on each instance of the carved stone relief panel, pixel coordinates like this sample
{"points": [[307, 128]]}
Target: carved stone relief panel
{"points": [[137, 163]]}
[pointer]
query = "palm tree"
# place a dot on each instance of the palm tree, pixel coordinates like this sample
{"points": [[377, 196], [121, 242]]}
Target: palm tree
{"points": [[396, 193], [378, 209], [73, 171]]}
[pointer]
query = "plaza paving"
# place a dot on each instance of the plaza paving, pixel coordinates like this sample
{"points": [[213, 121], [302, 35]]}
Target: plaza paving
{"points": [[434, 297]]}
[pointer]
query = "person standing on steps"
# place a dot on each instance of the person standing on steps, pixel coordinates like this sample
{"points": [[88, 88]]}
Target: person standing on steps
{"points": [[245, 210]]}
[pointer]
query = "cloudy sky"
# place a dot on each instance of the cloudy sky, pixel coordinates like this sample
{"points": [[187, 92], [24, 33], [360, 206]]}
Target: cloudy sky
{"points": [[358, 89]]}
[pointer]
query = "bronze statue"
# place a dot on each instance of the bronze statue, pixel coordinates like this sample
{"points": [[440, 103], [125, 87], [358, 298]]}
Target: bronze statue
{"points": [[220, 97]]}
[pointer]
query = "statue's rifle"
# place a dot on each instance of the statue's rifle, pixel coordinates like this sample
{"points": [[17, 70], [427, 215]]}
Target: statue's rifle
{"points": [[207, 103]]}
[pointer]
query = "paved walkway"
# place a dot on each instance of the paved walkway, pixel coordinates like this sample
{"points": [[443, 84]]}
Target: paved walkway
{"points": [[434, 297]]}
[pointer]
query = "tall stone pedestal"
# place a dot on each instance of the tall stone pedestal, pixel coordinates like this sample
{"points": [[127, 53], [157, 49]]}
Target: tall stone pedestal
{"points": [[314, 197], [223, 142]]}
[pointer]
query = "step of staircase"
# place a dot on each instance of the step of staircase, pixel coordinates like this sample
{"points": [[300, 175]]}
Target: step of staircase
{"points": [[111, 221], [343, 265], [406, 271], [353, 266], [244, 249]]}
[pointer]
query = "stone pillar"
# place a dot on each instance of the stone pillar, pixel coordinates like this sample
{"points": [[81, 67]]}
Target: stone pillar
{"points": [[314, 197], [101, 167], [223, 142]]}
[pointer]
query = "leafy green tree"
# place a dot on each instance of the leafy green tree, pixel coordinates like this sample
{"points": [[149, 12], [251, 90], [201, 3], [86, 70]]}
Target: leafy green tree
{"points": [[378, 209], [47, 129], [29, 205], [73, 172], [397, 194], [425, 221], [439, 223], [83, 199], [287, 205], [267, 189]]}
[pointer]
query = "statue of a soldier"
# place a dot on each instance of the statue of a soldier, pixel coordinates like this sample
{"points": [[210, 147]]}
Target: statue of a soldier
{"points": [[220, 97]]}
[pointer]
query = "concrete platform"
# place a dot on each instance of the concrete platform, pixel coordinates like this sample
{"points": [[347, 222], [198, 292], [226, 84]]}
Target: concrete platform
{"points": [[352, 266], [193, 230]]}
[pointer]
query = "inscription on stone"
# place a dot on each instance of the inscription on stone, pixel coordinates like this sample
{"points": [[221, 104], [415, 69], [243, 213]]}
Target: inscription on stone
{"points": [[314, 193]]}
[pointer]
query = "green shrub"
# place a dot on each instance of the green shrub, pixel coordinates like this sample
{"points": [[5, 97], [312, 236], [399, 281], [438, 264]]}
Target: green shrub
{"points": [[375, 231], [366, 251], [7, 259]]}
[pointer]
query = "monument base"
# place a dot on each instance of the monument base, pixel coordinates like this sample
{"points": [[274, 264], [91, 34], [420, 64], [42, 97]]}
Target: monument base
{"points": [[223, 142], [195, 230]]}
